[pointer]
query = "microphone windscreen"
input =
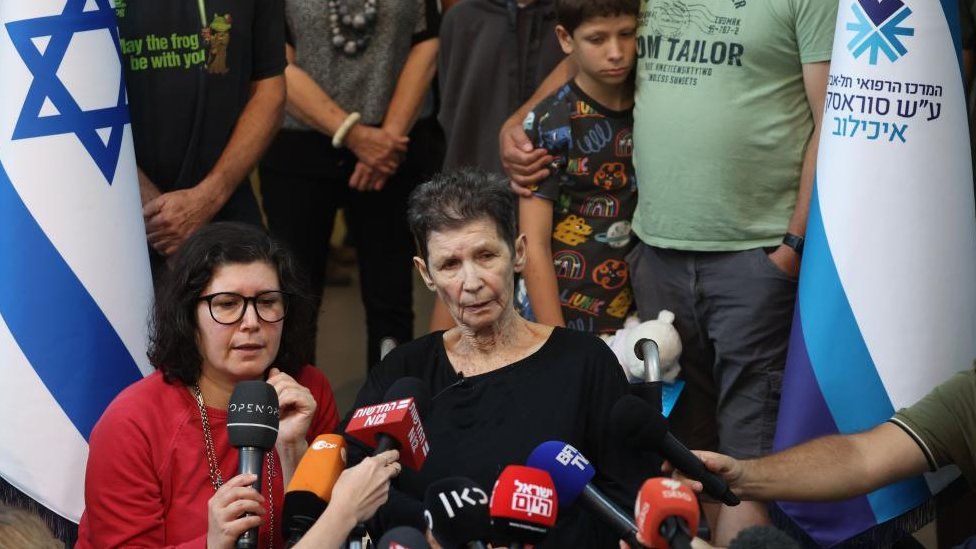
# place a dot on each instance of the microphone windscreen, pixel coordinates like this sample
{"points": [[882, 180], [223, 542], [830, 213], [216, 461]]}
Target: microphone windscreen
{"points": [[523, 505], [570, 471], [320, 467], [456, 509], [403, 537], [252, 415], [407, 387], [763, 537], [660, 498], [637, 423]]}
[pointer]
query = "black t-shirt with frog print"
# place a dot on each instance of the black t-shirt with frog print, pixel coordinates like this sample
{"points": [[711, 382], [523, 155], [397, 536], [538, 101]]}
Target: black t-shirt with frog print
{"points": [[189, 66], [594, 193]]}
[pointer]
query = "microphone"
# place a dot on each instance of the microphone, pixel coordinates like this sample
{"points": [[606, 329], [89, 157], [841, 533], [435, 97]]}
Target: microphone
{"points": [[763, 537], [403, 537], [667, 513], [523, 506], [310, 489], [252, 427], [571, 472], [396, 423], [456, 509], [635, 421]]}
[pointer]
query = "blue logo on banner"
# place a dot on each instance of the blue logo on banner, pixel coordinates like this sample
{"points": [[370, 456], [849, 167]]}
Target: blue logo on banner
{"points": [[878, 29], [43, 62]]}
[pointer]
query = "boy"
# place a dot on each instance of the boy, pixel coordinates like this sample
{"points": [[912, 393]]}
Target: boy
{"points": [[578, 220]]}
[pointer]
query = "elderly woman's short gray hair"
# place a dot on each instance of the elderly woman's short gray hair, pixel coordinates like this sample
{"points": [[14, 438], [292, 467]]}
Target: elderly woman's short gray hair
{"points": [[453, 199]]}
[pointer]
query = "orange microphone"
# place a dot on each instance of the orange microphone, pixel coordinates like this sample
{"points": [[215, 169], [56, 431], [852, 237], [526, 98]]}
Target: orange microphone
{"points": [[310, 489], [666, 513]]}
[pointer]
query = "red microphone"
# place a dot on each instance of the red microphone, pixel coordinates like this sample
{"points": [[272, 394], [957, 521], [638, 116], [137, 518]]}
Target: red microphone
{"points": [[396, 423], [666, 513], [523, 506]]}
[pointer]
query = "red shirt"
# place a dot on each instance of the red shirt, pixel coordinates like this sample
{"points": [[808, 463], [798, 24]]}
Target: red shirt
{"points": [[147, 483]]}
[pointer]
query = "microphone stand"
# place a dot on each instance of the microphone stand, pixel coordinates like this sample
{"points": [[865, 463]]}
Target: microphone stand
{"points": [[651, 386]]}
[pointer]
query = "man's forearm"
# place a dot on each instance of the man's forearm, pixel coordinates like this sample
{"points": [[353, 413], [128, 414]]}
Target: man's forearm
{"points": [[834, 467], [254, 130], [412, 86], [798, 221]]}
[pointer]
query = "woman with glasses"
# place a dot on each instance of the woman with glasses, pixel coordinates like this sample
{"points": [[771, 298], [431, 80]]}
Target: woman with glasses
{"points": [[161, 471]]}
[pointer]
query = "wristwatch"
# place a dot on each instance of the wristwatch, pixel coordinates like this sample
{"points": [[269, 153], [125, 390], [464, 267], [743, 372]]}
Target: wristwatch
{"points": [[795, 242]]}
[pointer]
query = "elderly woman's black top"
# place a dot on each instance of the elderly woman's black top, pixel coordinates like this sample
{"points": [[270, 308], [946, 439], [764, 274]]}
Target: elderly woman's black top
{"points": [[478, 425]]}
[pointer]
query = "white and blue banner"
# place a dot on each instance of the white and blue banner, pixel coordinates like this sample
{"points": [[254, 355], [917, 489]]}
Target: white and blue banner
{"points": [[886, 308], [75, 287]]}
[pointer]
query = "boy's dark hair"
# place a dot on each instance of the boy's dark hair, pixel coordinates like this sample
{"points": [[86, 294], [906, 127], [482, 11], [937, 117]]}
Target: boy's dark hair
{"points": [[453, 199], [173, 327], [573, 13]]}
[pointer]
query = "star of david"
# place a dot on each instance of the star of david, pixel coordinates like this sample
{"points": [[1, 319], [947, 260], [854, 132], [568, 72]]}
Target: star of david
{"points": [[44, 63]]}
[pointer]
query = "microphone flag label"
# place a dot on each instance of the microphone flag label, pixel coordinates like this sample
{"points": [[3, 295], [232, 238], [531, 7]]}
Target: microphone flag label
{"points": [[886, 306], [75, 288]]}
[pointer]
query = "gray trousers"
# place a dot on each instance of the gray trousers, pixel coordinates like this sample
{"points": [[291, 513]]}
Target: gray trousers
{"points": [[733, 311]]}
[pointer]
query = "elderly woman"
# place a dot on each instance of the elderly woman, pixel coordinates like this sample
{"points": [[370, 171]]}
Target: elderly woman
{"points": [[501, 384], [160, 468]]}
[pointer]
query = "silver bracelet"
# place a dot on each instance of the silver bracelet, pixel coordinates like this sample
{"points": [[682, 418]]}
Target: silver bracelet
{"points": [[347, 124]]}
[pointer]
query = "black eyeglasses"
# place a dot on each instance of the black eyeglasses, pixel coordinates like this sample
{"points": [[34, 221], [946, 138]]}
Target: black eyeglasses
{"points": [[228, 307]]}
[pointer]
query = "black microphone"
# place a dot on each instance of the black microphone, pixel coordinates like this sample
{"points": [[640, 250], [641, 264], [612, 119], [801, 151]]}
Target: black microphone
{"points": [[457, 514], [252, 427], [763, 537], [403, 537], [638, 423]]}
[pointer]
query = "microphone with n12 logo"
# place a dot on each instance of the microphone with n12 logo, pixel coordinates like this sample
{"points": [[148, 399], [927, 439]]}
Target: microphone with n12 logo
{"points": [[396, 423], [252, 427], [523, 506], [456, 509], [667, 514], [572, 473], [403, 537], [639, 424], [310, 489]]}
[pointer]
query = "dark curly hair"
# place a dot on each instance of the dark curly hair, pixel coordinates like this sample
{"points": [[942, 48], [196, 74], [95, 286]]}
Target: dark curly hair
{"points": [[453, 199], [573, 13], [173, 326]]}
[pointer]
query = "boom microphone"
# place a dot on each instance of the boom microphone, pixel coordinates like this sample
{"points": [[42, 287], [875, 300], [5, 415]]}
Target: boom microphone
{"points": [[667, 514], [523, 506], [456, 509], [403, 537], [571, 472], [396, 423], [252, 427], [636, 422], [310, 489]]}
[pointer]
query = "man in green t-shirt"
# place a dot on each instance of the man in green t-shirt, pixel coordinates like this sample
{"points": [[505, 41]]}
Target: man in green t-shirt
{"points": [[938, 430], [726, 125]]}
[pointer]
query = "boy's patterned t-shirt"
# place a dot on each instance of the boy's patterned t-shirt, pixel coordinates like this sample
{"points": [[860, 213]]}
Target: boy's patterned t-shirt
{"points": [[594, 193]]}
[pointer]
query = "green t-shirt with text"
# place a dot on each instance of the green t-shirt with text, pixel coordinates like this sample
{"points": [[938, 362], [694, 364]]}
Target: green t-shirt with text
{"points": [[722, 118]]}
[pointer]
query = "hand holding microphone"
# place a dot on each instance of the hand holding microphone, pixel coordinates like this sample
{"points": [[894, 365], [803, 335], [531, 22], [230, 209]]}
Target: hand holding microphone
{"points": [[362, 489], [638, 423], [235, 498]]}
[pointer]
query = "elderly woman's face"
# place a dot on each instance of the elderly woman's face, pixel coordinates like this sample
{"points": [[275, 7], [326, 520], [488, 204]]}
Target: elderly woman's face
{"points": [[472, 269], [243, 349]]}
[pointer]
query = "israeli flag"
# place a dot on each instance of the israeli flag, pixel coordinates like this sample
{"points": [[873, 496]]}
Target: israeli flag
{"points": [[886, 308], [75, 287]]}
